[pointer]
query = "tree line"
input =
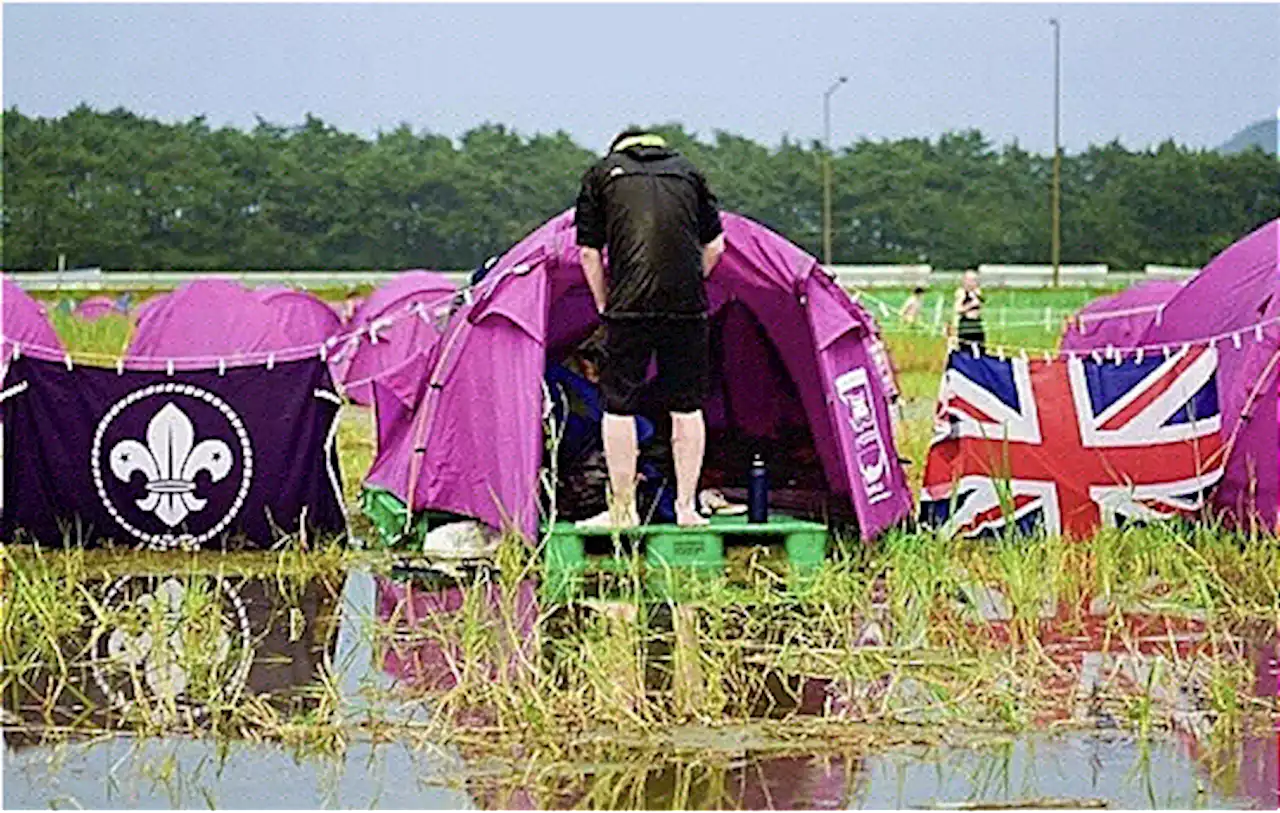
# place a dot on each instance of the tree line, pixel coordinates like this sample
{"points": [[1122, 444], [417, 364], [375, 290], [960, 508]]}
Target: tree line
{"points": [[121, 191]]}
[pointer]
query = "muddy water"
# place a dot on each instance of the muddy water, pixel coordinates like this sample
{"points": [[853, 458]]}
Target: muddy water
{"points": [[157, 773], [291, 638]]}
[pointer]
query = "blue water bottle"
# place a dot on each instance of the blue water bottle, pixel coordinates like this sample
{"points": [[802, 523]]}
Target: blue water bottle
{"points": [[758, 491]]}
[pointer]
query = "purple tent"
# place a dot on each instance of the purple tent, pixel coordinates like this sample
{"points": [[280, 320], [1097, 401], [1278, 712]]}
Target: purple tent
{"points": [[96, 307], [1236, 297], [140, 312], [24, 321], [399, 320], [304, 317], [206, 320], [349, 307], [791, 367], [1118, 320]]}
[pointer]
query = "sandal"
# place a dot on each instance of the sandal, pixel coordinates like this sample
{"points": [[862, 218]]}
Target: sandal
{"points": [[711, 501]]}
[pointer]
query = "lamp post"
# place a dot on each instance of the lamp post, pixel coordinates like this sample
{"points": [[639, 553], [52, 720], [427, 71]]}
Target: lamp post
{"points": [[826, 168], [1057, 151]]}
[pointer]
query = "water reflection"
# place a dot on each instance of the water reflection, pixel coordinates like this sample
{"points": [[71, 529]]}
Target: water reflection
{"points": [[393, 644], [179, 772], [176, 772], [1250, 767], [176, 649], [426, 629]]}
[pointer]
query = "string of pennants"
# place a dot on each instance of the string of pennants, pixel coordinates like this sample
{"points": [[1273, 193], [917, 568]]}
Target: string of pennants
{"points": [[333, 347], [346, 341], [1255, 332], [343, 342]]}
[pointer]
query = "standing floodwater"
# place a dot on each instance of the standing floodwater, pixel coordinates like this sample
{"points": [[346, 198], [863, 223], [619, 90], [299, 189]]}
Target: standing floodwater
{"points": [[1091, 769], [356, 670]]}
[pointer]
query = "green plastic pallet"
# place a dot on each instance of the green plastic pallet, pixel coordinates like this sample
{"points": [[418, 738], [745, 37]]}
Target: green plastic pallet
{"points": [[672, 552]]}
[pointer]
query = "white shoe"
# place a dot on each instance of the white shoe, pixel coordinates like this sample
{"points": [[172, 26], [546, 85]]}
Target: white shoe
{"points": [[460, 541], [711, 501], [611, 520]]}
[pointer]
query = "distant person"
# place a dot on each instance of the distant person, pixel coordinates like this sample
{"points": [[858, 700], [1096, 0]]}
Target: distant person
{"points": [[654, 211], [910, 311], [350, 305], [968, 311]]}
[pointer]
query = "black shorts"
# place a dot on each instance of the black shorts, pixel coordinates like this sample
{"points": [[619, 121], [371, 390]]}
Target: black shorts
{"points": [[969, 332], [681, 346]]}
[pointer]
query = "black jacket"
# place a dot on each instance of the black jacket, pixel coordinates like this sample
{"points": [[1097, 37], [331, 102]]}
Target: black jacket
{"points": [[652, 209]]}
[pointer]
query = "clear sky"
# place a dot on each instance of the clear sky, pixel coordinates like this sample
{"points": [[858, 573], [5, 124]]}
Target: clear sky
{"points": [[1143, 73]]}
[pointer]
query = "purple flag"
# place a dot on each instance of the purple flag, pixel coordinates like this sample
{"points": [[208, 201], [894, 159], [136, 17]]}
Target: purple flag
{"points": [[149, 460]]}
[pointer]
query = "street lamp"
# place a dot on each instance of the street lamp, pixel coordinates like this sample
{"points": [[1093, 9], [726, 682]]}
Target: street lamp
{"points": [[826, 168], [1057, 150]]}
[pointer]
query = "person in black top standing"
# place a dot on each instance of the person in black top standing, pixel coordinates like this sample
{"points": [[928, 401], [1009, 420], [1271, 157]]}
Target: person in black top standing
{"points": [[653, 211], [969, 331]]}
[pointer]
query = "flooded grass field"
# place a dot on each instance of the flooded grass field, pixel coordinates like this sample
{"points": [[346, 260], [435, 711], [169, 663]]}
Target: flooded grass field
{"points": [[1135, 669]]}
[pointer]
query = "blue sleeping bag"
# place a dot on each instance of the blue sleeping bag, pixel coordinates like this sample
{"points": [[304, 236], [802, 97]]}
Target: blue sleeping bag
{"points": [[585, 412], [578, 407]]}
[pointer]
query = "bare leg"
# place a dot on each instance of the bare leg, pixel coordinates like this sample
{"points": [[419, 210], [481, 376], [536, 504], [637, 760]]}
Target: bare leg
{"points": [[688, 443], [620, 453]]}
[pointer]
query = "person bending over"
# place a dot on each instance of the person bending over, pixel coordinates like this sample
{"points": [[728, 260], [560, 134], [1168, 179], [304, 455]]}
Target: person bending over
{"points": [[654, 212]]}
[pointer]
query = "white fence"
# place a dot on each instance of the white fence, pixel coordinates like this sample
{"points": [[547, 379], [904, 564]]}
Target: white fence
{"points": [[1039, 276], [849, 276], [157, 280], [1170, 272], [1001, 276]]}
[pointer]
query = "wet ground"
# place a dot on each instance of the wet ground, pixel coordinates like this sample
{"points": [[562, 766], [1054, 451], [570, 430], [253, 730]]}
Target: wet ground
{"points": [[293, 632], [1078, 769]]}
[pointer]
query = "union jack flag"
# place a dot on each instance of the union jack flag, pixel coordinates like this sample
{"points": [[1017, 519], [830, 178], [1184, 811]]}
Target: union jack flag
{"points": [[1069, 445]]}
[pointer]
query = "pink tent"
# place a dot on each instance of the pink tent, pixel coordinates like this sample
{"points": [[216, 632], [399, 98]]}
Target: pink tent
{"points": [[304, 317], [23, 321], [1118, 320], [1236, 297], [791, 371], [95, 307], [206, 320], [140, 312], [398, 321], [24, 324]]}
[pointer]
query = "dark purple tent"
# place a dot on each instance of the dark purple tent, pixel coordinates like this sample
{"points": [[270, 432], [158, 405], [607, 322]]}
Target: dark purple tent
{"points": [[791, 367], [1118, 320], [217, 429], [398, 321], [1235, 298]]}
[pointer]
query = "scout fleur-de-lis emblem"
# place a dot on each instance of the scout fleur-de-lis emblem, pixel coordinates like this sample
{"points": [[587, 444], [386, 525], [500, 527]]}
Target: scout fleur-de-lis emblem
{"points": [[170, 461]]}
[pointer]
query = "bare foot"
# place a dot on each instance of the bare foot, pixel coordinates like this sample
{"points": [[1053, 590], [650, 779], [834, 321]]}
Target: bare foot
{"points": [[689, 518]]}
